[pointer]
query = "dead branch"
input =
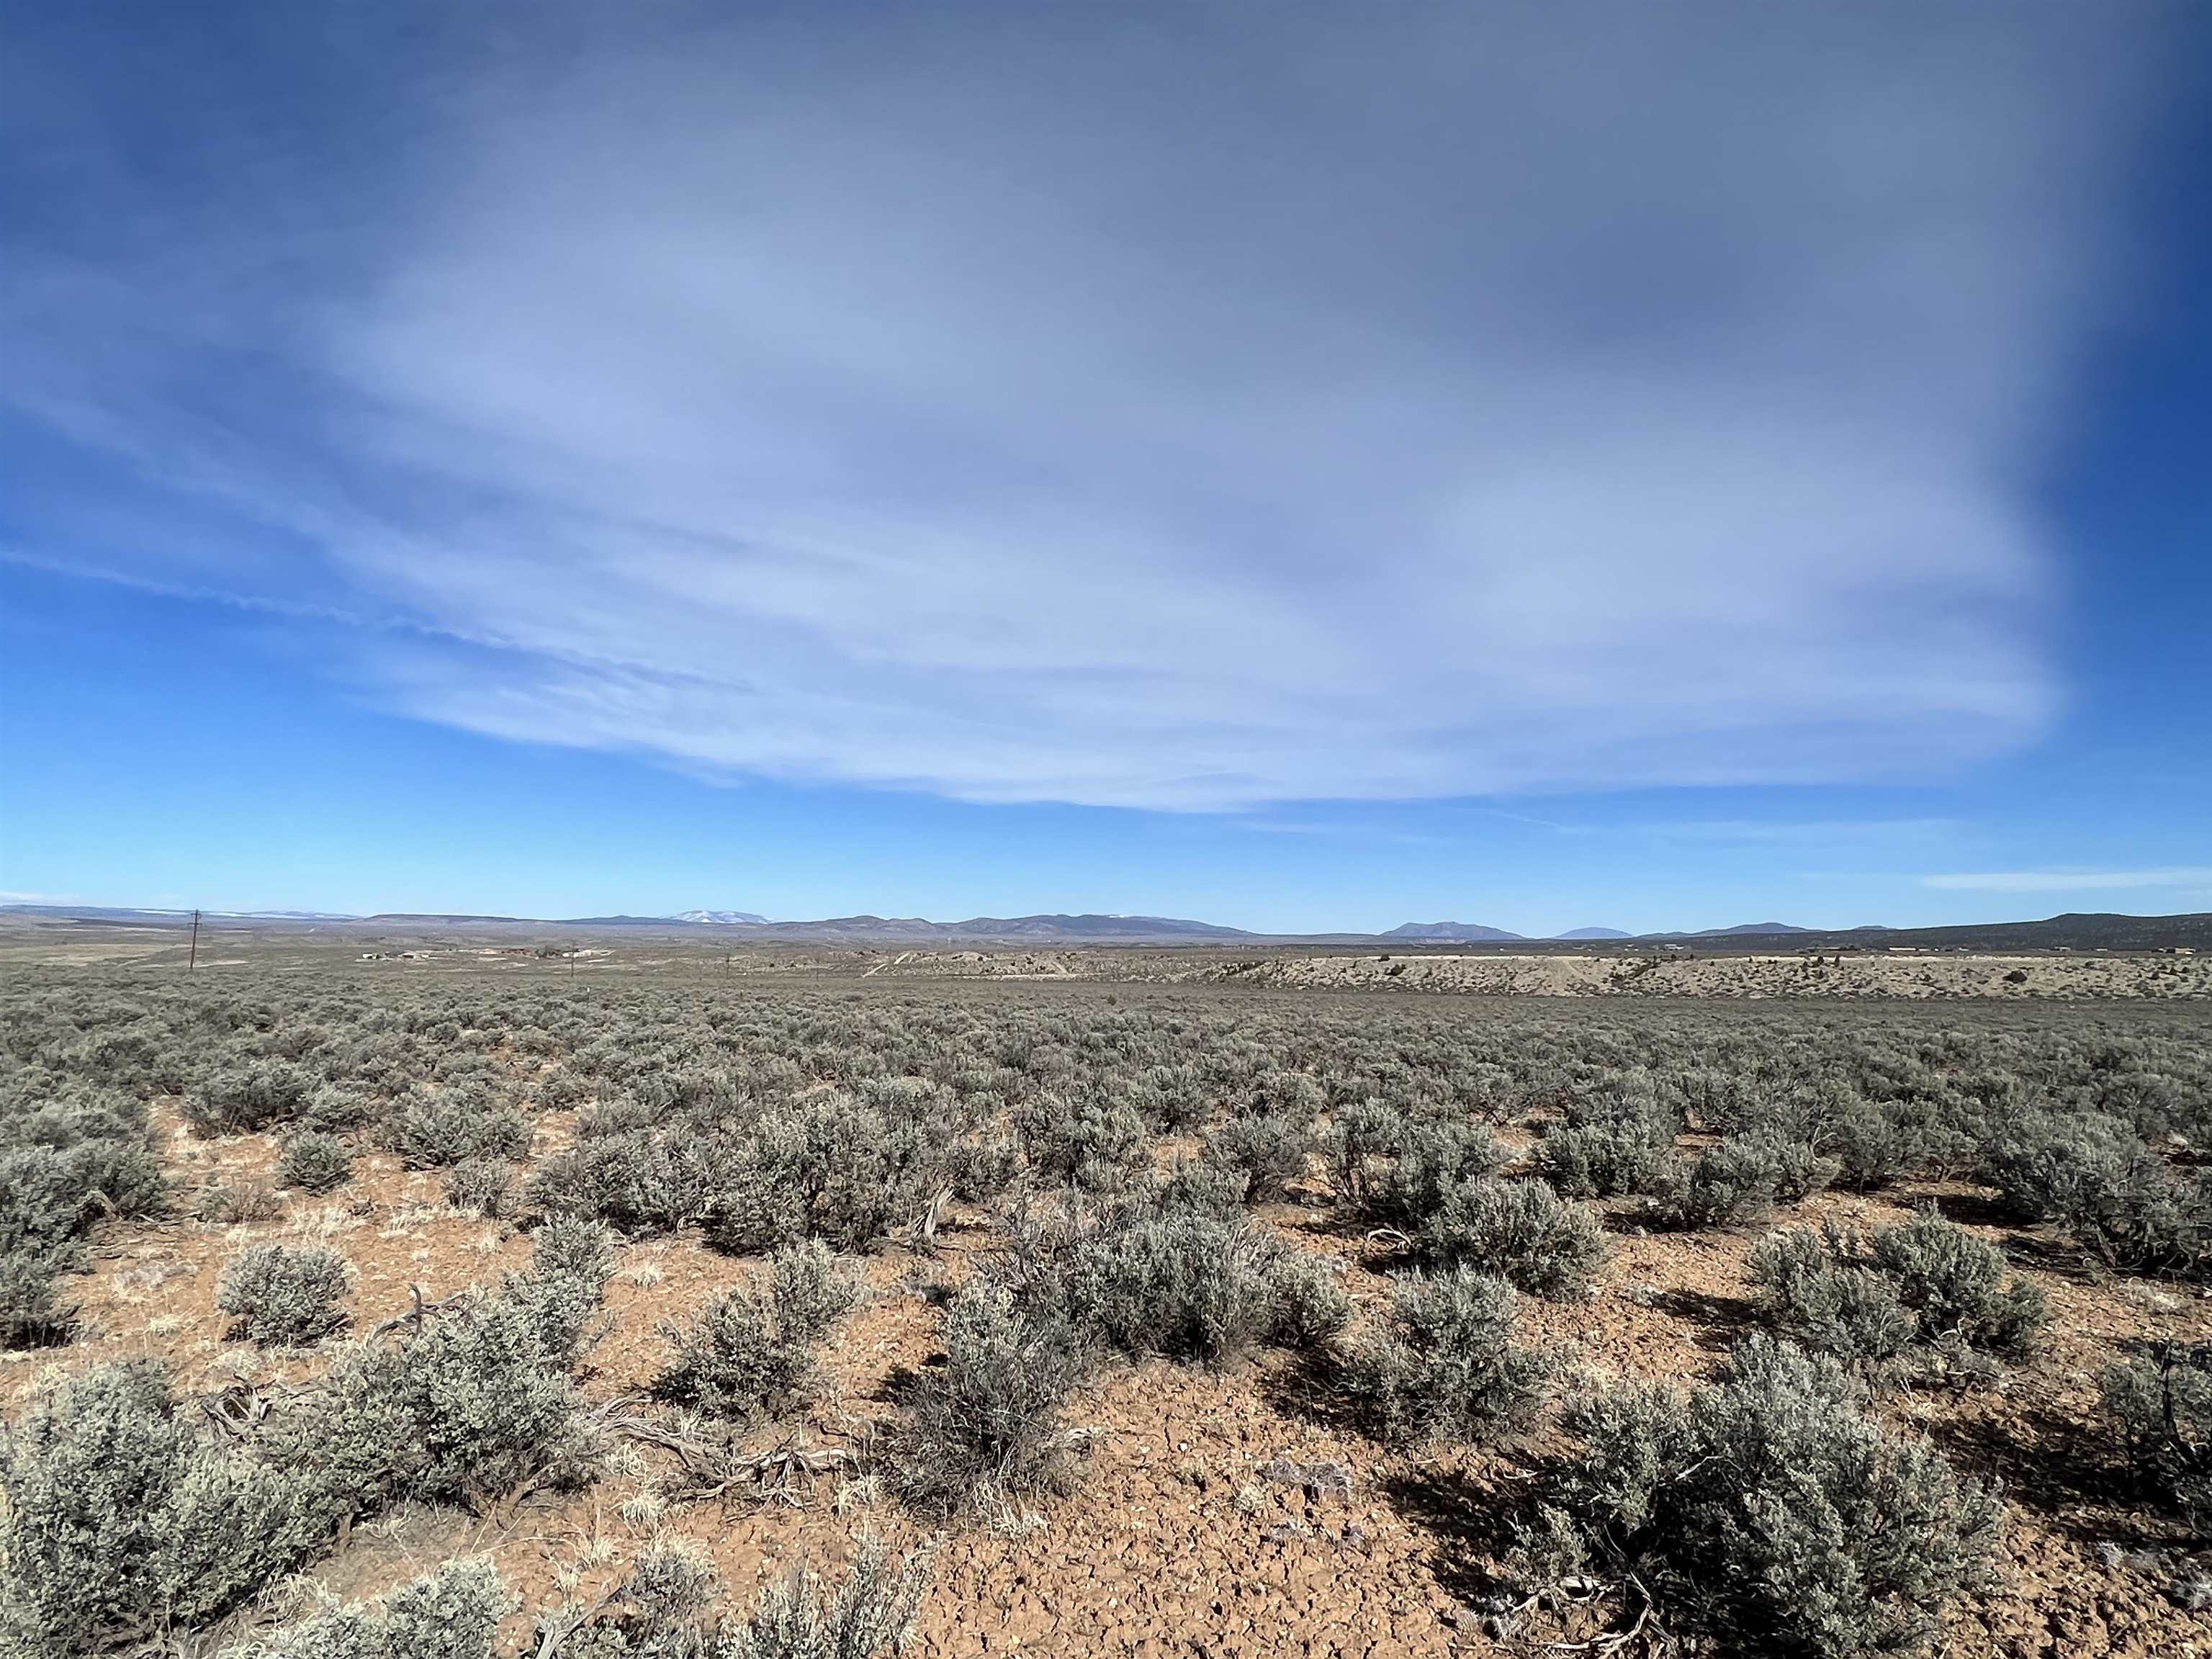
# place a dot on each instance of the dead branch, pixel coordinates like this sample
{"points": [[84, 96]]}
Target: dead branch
{"points": [[714, 1467], [422, 1312]]}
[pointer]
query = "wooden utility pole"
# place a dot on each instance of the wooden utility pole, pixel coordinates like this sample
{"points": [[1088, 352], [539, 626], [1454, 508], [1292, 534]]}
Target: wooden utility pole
{"points": [[192, 961]]}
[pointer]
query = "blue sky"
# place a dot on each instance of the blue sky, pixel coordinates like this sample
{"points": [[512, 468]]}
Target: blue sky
{"points": [[1546, 467]]}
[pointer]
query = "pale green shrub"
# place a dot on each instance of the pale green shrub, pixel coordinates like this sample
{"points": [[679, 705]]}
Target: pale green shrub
{"points": [[32, 1313], [1269, 1152], [570, 1262], [254, 1095], [986, 1427], [51, 1194], [465, 1406], [1154, 1275], [483, 1186], [279, 1296], [1089, 1143], [663, 1610], [1725, 1185], [826, 1166], [2159, 1405], [1445, 1367], [751, 1355], [641, 1181], [123, 1519], [2119, 1200], [450, 1613], [1923, 1300], [867, 1615], [314, 1162], [1767, 1508], [1606, 1159], [1520, 1232], [1396, 1170], [432, 1131]]}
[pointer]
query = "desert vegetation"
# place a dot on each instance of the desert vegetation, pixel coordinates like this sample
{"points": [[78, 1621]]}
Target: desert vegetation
{"points": [[348, 1312]]}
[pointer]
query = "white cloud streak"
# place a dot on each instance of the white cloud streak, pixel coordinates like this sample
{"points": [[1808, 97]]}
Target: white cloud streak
{"points": [[1178, 409], [1786, 832], [2072, 881]]}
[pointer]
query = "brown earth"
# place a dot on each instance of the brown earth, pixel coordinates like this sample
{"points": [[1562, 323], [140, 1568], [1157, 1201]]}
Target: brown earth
{"points": [[1176, 1540], [1912, 976], [1900, 975]]}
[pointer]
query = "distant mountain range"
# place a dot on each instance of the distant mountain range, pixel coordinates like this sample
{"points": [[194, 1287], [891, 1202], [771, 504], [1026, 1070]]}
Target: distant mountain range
{"points": [[2091, 932], [742, 924], [1083, 929]]}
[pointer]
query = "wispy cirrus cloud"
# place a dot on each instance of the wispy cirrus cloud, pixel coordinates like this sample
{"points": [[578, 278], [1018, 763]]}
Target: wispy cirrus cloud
{"points": [[2182, 877], [1814, 832], [1169, 407]]}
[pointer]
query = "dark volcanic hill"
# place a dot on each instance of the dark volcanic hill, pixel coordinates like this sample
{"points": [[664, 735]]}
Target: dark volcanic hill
{"points": [[1449, 932], [2075, 931]]}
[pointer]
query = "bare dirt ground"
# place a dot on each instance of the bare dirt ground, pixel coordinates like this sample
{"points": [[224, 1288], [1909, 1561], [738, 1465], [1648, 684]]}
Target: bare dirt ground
{"points": [[2041, 976], [1177, 1539], [1917, 975]]}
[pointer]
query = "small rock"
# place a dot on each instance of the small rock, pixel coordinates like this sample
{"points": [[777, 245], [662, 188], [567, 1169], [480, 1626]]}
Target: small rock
{"points": [[2149, 1297], [1329, 1480], [1318, 1479]]}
